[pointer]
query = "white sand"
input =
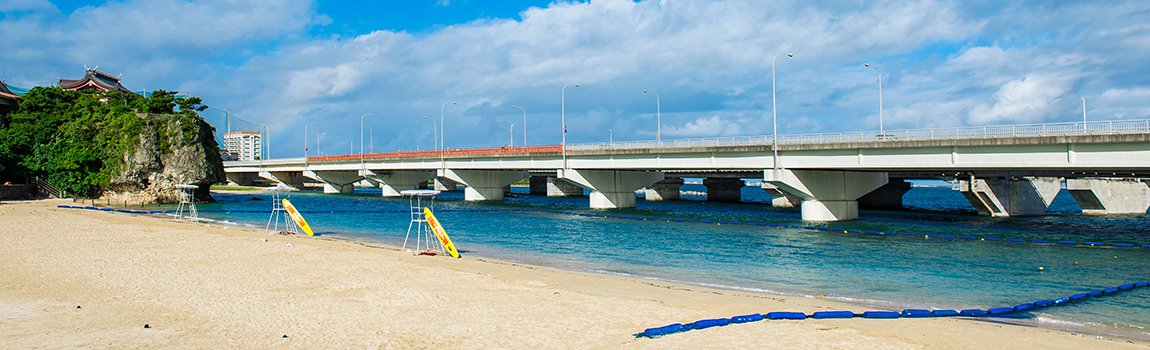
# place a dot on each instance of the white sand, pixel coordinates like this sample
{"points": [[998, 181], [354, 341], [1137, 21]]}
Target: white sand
{"points": [[198, 286]]}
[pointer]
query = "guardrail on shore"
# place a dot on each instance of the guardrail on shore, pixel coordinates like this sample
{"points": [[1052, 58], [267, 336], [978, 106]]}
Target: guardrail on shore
{"points": [[1111, 127]]}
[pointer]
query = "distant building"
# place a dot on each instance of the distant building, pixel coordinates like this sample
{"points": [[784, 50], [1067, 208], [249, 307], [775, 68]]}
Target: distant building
{"points": [[94, 80], [7, 102], [246, 144]]}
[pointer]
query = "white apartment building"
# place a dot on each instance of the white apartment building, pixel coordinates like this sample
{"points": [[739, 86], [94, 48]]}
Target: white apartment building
{"points": [[246, 144]]}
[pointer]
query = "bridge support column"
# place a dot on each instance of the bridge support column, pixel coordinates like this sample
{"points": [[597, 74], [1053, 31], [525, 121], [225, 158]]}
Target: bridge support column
{"points": [[1005, 197], [780, 198], [827, 195], [241, 179], [611, 188], [391, 183], [483, 185], [290, 179], [557, 187], [724, 189], [666, 190], [336, 181], [538, 185], [887, 197], [442, 184], [1100, 196]]}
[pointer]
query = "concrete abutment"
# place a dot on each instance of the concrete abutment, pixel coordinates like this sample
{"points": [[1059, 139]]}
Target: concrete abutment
{"points": [[611, 188]]}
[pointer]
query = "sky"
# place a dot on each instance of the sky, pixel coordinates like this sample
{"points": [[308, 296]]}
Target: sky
{"points": [[706, 64]]}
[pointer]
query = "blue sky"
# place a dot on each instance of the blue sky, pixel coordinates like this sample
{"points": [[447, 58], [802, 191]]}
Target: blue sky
{"points": [[289, 63]]}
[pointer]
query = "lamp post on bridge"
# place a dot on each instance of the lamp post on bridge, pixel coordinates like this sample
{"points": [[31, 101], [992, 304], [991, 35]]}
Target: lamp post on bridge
{"points": [[361, 164], [442, 160], [1083, 114], [658, 117], [881, 131], [524, 124], [512, 132], [434, 130], [305, 140], [775, 111], [370, 140], [563, 120]]}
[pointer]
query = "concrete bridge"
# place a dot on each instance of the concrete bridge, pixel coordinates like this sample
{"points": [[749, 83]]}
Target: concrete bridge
{"points": [[1002, 170]]}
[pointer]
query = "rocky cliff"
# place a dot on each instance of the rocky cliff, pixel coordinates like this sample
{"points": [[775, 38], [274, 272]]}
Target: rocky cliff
{"points": [[173, 150]]}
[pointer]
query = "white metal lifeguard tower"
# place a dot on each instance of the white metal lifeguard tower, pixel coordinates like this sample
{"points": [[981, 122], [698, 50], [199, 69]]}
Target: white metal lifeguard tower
{"points": [[279, 213], [419, 199], [187, 202]]}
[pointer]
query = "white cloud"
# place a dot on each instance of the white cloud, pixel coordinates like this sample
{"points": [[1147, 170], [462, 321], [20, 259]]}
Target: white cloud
{"points": [[1027, 100]]}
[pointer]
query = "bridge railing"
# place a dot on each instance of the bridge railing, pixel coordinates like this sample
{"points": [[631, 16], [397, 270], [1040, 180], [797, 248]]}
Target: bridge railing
{"points": [[1111, 127]]}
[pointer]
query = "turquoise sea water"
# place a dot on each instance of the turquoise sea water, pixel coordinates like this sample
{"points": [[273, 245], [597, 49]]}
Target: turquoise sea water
{"points": [[716, 244]]}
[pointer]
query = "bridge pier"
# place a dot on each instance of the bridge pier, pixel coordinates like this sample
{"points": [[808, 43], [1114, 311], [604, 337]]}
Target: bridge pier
{"points": [[780, 198], [444, 185], [391, 183], [554, 187], [335, 181], [287, 178], [887, 197], [611, 188], [242, 179], [666, 190], [724, 189], [828, 195], [1005, 197], [483, 185], [1101, 196]]}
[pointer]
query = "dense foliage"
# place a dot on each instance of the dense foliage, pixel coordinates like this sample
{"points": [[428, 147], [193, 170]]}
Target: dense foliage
{"points": [[77, 141]]}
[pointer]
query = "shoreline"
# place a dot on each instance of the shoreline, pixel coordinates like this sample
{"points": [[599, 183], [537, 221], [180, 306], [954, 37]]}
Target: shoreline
{"points": [[483, 299]]}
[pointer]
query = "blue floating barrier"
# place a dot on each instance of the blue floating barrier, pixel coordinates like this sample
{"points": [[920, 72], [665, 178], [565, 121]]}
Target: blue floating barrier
{"points": [[992, 239], [1109, 291], [1043, 303], [123, 211], [881, 314], [107, 209], [1061, 301], [972, 313], [1094, 293], [854, 231], [1146, 246], [1067, 242], [91, 208], [1023, 307], [747, 318], [1094, 243], [946, 237], [838, 229], [832, 314], [1039, 241], [999, 311], [944, 313], [1142, 284], [874, 233], [1122, 245], [707, 221], [661, 331], [704, 324], [808, 227], [915, 313], [783, 315], [736, 223], [968, 237], [1127, 286], [1015, 240], [910, 234], [61, 206]]}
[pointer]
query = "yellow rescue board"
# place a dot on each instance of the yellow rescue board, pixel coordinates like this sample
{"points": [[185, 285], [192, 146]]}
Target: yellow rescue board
{"points": [[440, 233], [295, 216]]}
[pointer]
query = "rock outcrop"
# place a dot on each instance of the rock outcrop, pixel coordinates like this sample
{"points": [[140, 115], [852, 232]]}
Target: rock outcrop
{"points": [[173, 150]]}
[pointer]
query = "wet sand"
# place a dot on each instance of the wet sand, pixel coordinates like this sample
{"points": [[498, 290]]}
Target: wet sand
{"points": [[78, 278]]}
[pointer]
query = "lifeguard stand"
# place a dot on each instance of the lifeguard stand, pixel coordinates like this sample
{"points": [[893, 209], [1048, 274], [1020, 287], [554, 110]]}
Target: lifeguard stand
{"points": [[417, 200], [187, 202], [278, 212]]}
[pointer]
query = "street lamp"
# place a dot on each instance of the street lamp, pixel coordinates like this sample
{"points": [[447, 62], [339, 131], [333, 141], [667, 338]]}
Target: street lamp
{"points": [[512, 132], [881, 131], [563, 120], [524, 124], [1083, 114], [361, 136], [442, 160], [370, 140], [434, 130], [658, 118], [305, 139], [775, 111]]}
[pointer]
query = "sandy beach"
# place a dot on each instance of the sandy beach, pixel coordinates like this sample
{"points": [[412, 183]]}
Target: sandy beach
{"points": [[88, 279]]}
